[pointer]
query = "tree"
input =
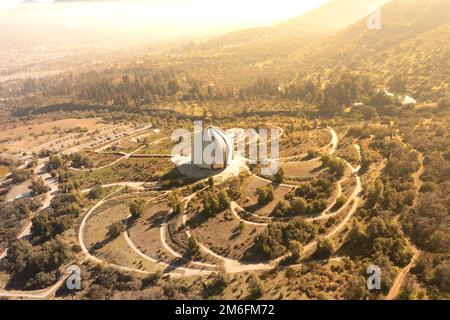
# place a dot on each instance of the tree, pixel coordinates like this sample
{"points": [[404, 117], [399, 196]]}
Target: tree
{"points": [[217, 284], [96, 192], [211, 203], [265, 194], [173, 87], [55, 163], [377, 228], [396, 84], [80, 161], [325, 248], [223, 200], [296, 250], [340, 202], [48, 226], [279, 176], [152, 279], [38, 186], [299, 206], [374, 194], [115, 229], [255, 286], [211, 182], [234, 188], [20, 175], [241, 226], [282, 209], [368, 112], [36, 266], [175, 203], [442, 277], [366, 160], [380, 100], [137, 208], [357, 239], [193, 247], [355, 289], [271, 241]]}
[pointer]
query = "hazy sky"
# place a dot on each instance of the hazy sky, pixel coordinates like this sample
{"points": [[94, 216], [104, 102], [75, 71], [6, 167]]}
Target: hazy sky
{"points": [[217, 12], [42, 22]]}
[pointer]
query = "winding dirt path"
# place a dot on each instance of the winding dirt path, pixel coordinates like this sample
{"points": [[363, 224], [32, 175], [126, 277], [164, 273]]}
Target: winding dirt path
{"points": [[333, 145], [235, 266], [37, 295], [230, 265], [52, 183], [125, 156], [402, 276]]}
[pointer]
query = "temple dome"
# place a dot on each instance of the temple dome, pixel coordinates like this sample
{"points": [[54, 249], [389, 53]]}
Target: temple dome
{"points": [[218, 145]]}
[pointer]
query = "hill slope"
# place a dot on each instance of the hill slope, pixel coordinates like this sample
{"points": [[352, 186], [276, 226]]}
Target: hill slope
{"points": [[413, 42], [261, 52]]}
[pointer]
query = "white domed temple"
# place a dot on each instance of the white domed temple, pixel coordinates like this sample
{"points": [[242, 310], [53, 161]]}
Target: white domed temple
{"points": [[216, 150]]}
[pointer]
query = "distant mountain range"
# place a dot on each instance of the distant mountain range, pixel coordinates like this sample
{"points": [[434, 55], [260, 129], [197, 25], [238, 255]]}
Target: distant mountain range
{"points": [[323, 21], [414, 41]]}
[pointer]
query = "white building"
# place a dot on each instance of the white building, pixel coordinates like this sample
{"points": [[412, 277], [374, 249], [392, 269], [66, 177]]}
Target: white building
{"points": [[216, 150]]}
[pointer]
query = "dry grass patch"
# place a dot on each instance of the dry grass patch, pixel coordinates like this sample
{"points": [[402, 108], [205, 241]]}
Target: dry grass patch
{"points": [[301, 170], [300, 142], [132, 169], [18, 190], [119, 252], [223, 235], [30, 136], [96, 230], [164, 146], [145, 232], [101, 159], [116, 250], [249, 186], [3, 171]]}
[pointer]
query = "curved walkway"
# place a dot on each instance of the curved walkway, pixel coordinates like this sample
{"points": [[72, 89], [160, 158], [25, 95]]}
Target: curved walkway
{"points": [[38, 295], [333, 144], [230, 265], [235, 266], [89, 256]]}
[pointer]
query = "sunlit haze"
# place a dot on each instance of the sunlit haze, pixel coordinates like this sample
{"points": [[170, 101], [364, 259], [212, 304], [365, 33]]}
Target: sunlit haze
{"points": [[155, 19]]}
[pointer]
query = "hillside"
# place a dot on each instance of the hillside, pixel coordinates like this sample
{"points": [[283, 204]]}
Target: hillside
{"points": [[413, 42], [311, 25], [266, 51]]}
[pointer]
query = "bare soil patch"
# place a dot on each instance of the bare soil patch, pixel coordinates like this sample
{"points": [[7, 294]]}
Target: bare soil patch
{"points": [[301, 170], [222, 235], [19, 138], [145, 232]]}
